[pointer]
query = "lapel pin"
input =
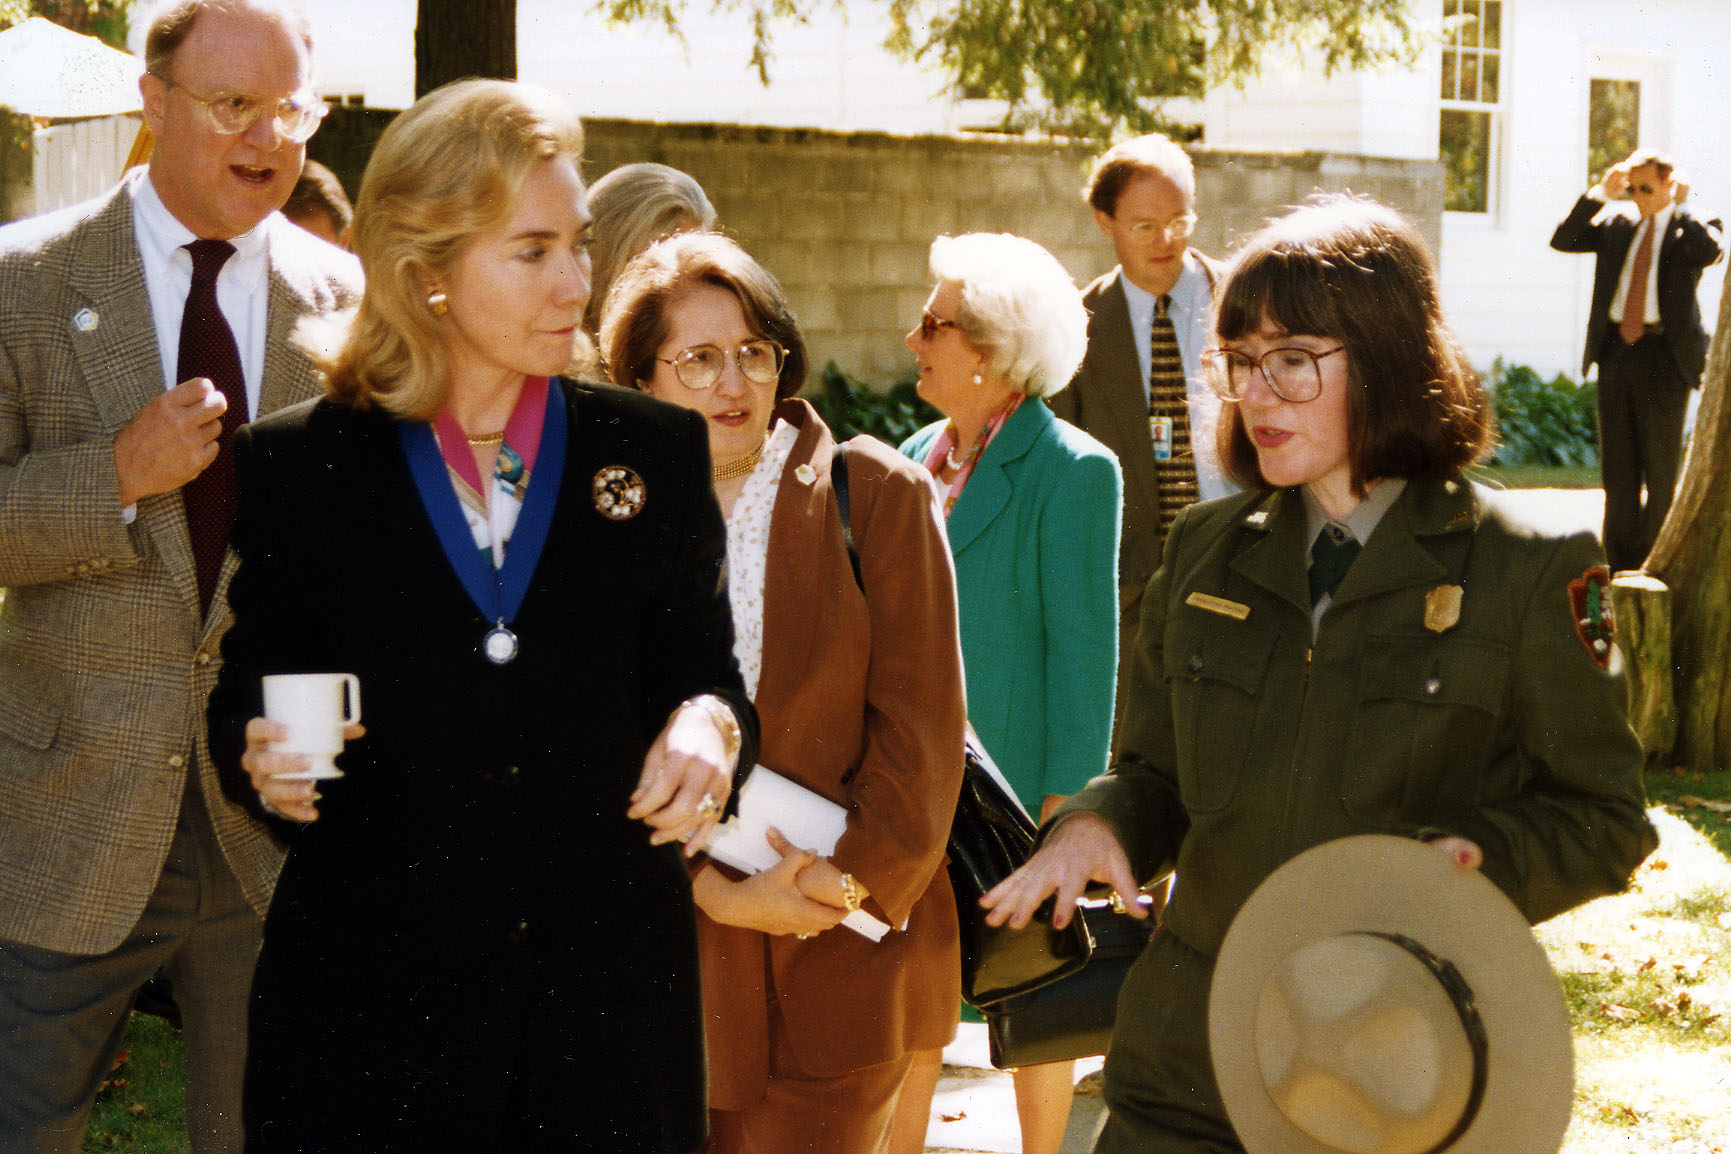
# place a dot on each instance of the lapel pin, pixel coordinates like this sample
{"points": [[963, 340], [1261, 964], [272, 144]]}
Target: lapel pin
{"points": [[1257, 519], [806, 474], [84, 320], [619, 492], [1442, 608]]}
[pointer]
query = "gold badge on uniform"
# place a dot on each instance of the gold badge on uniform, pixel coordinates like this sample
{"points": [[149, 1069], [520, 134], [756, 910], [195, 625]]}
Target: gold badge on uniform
{"points": [[619, 492], [1220, 605], [1442, 608]]}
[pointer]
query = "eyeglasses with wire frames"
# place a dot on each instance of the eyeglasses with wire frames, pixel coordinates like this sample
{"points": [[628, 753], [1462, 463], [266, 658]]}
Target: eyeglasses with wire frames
{"points": [[931, 324], [1294, 374], [297, 117], [700, 366], [1177, 228]]}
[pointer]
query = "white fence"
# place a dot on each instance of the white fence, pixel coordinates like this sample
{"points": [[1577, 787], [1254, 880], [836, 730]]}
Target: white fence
{"points": [[75, 161]]}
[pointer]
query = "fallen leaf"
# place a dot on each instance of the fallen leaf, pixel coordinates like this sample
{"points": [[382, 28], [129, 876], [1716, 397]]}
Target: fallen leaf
{"points": [[1693, 802], [952, 1117], [1619, 1013], [1647, 965]]}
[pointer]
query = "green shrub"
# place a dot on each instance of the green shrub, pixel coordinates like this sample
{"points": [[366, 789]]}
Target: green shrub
{"points": [[850, 407], [1543, 422]]}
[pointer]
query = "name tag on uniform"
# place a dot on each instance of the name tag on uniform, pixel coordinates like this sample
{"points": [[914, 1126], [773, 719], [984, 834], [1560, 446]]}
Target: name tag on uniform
{"points": [[1218, 605]]}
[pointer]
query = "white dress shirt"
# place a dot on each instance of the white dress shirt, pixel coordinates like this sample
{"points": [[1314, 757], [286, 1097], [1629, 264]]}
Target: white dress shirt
{"points": [[1659, 222]]}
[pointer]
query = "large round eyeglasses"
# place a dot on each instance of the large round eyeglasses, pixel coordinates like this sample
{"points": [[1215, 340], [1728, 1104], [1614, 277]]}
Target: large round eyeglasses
{"points": [[297, 117], [700, 366], [1294, 374]]}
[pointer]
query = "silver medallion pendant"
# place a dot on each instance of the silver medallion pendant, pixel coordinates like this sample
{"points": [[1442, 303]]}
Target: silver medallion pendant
{"points": [[500, 645]]}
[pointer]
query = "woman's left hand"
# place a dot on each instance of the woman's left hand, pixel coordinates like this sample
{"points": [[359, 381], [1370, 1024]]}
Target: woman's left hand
{"points": [[1462, 852], [685, 781], [821, 880]]}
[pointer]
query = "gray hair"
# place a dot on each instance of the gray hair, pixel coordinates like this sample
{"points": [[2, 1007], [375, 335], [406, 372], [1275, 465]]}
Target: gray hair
{"points": [[634, 206], [1019, 306]]}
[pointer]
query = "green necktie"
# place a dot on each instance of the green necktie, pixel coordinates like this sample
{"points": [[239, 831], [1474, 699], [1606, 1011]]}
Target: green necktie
{"points": [[1330, 558]]}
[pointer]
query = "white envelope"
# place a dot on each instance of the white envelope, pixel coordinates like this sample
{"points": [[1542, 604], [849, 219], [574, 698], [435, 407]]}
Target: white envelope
{"points": [[808, 820]]}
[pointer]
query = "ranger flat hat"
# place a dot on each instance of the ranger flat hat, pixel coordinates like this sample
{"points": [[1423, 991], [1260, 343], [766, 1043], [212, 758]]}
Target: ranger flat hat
{"points": [[1373, 997]]}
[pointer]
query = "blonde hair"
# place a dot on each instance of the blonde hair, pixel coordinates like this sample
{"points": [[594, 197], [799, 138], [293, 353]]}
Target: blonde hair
{"points": [[448, 168]]}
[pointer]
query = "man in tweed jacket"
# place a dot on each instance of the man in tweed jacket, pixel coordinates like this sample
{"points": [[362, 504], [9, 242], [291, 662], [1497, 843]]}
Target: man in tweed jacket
{"points": [[119, 854]]}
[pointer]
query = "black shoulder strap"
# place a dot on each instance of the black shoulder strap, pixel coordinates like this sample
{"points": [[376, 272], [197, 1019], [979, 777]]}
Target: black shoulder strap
{"points": [[838, 482]]}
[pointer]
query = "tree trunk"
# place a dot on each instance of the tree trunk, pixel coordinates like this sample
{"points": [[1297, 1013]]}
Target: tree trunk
{"points": [[459, 38], [1693, 557], [1643, 614]]}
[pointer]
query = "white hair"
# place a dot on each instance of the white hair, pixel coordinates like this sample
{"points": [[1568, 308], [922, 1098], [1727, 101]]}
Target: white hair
{"points": [[1018, 305]]}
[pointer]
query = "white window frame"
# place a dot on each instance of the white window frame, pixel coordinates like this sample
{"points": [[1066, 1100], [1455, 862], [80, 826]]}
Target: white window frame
{"points": [[1496, 111]]}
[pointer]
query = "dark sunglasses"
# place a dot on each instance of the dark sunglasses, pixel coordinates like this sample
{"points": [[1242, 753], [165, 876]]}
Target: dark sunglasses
{"points": [[931, 326]]}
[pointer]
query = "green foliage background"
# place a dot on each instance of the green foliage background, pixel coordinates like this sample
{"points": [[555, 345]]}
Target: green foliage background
{"points": [[1543, 422]]}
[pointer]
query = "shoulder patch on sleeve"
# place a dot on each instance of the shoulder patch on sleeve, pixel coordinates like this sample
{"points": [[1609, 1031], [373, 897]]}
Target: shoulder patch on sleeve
{"points": [[1590, 605]]}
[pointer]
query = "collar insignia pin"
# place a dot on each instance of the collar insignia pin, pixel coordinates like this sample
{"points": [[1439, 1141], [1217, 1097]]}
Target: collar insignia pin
{"points": [[619, 492]]}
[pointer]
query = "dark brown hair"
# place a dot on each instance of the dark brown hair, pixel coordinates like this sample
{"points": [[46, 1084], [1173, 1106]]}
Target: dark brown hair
{"points": [[635, 321], [1351, 269]]}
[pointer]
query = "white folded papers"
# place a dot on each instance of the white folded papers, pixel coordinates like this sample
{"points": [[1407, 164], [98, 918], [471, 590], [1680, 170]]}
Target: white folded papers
{"points": [[808, 820]]}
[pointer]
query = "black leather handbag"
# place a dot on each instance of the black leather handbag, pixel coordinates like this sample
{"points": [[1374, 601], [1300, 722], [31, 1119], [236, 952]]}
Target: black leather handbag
{"points": [[990, 838], [1072, 1017]]}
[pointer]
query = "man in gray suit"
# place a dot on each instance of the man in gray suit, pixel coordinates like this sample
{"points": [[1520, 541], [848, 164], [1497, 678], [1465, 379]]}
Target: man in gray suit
{"points": [[136, 331], [1147, 327]]}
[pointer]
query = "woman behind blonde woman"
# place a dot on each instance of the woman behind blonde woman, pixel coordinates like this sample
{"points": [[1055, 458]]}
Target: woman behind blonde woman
{"points": [[811, 1026], [1033, 506], [483, 939], [634, 206]]}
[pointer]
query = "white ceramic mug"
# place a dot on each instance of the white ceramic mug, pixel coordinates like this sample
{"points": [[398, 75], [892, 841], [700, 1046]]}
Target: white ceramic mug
{"points": [[315, 707]]}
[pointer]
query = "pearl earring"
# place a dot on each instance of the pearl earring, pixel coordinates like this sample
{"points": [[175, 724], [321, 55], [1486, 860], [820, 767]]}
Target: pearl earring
{"points": [[977, 379], [438, 304]]}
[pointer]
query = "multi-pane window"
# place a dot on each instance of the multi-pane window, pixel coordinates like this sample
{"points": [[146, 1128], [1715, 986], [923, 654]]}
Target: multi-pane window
{"points": [[1613, 124], [1472, 61]]}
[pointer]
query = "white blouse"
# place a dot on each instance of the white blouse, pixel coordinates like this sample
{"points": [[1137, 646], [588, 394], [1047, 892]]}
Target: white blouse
{"points": [[748, 551]]}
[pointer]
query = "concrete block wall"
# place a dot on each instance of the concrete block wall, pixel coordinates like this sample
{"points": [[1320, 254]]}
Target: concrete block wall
{"points": [[844, 220]]}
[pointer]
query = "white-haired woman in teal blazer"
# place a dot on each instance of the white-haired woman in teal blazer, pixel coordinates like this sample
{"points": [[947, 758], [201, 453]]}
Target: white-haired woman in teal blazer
{"points": [[1032, 506]]}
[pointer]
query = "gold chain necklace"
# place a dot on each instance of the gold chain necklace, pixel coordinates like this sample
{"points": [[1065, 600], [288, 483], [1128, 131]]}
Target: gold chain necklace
{"points": [[734, 470], [483, 440]]}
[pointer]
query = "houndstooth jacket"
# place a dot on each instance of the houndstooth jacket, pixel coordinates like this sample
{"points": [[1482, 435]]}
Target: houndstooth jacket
{"points": [[105, 656]]}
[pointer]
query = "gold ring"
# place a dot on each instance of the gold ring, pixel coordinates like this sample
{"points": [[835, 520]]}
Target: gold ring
{"points": [[1118, 906], [707, 806]]}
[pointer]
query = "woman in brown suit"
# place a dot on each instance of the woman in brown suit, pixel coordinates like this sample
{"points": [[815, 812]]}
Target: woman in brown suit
{"points": [[858, 682]]}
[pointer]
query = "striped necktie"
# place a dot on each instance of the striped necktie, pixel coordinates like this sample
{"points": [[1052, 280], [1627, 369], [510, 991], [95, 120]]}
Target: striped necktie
{"points": [[1169, 417]]}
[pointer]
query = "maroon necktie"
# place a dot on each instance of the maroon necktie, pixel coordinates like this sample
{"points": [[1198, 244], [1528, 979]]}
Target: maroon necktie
{"points": [[207, 349], [1634, 321]]}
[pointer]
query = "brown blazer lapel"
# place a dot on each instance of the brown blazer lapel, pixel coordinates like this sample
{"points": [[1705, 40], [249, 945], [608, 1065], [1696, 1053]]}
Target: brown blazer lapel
{"points": [[795, 530]]}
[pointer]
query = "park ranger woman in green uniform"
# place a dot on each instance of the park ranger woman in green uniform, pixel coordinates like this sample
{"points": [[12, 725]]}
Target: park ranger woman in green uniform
{"points": [[1362, 642]]}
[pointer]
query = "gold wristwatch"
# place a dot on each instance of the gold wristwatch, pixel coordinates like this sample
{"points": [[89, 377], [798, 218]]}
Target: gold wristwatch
{"points": [[722, 714], [853, 894]]}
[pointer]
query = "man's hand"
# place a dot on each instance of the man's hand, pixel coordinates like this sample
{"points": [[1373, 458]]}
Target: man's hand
{"points": [[1616, 181], [170, 441]]}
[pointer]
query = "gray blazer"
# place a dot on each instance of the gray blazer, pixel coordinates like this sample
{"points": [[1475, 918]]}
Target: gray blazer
{"points": [[105, 656]]}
